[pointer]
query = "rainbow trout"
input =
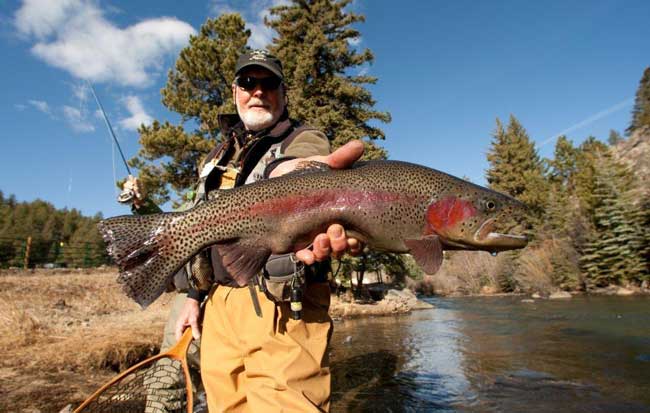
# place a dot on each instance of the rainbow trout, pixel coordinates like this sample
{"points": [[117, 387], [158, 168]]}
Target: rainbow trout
{"points": [[389, 205]]}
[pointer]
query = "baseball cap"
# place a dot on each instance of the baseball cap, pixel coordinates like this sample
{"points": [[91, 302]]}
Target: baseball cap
{"points": [[260, 58]]}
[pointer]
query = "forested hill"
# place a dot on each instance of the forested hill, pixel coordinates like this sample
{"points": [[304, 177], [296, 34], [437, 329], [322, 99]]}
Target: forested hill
{"points": [[47, 235], [635, 151]]}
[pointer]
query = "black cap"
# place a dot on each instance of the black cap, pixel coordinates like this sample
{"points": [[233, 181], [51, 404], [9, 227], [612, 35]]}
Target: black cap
{"points": [[260, 58]]}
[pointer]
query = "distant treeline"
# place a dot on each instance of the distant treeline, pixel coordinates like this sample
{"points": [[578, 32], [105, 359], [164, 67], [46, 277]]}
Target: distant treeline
{"points": [[590, 205], [47, 236], [589, 217]]}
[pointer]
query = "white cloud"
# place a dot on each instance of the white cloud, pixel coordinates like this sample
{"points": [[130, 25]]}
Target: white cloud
{"points": [[261, 35], [138, 115], [80, 90], [41, 106], [74, 35], [354, 41], [20, 106], [77, 119], [254, 13]]}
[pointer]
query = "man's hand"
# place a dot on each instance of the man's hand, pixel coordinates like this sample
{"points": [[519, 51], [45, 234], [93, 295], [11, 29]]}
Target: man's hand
{"points": [[132, 184], [188, 317], [334, 242]]}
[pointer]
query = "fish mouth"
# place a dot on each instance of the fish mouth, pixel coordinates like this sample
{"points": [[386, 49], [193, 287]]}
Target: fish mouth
{"points": [[487, 238]]}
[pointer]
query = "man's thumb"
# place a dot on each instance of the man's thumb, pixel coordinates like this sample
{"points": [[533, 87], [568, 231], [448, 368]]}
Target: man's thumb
{"points": [[346, 155], [196, 332]]}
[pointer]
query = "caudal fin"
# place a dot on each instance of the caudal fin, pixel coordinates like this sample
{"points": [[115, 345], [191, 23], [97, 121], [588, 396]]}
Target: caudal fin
{"points": [[143, 251]]}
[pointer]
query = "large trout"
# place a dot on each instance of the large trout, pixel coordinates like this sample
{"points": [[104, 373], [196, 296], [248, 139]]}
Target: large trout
{"points": [[389, 205]]}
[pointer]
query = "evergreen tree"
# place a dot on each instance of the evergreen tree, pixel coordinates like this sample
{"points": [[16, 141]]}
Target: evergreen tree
{"points": [[314, 45], [48, 228], [614, 138], [561, 171], [641, 110], [515, 167], [199, 89], [615, 251], [586, 158]]}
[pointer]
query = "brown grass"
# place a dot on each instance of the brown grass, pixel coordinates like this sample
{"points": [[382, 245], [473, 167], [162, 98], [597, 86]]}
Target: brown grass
{"points": [[64, 334], [462, 273], [536, 269]]}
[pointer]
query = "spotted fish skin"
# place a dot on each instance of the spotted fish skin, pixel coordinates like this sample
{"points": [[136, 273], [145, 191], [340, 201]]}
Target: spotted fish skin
{"points": [[389, 205]]}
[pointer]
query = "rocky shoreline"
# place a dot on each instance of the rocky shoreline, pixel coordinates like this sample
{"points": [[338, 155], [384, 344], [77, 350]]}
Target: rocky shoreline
{"points": [[394, 302]]}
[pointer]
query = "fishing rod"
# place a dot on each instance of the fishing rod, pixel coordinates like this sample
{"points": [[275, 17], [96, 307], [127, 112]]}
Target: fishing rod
{"points": [[127, 195]]}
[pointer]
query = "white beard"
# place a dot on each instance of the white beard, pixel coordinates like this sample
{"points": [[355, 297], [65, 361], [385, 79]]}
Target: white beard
{"points": [[256, 120]]}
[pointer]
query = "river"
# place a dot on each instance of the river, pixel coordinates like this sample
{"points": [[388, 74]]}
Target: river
{"points": [[497, 354]]}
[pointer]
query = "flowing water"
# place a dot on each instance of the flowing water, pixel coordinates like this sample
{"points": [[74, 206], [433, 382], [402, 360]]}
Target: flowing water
{"points": [[497, 354]]}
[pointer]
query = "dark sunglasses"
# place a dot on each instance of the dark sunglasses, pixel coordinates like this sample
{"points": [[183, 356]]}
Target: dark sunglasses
{"points": [[249, 83]]}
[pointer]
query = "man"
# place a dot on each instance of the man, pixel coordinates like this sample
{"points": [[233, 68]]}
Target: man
{"points": [[255, 356]]}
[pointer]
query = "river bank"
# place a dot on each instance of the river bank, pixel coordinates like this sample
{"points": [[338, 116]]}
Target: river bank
{"points": [[65, 332], [394, 302]]}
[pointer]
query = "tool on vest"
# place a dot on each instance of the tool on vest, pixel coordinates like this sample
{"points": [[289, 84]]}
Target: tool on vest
{"points": [[296, 288], [256, 302]]}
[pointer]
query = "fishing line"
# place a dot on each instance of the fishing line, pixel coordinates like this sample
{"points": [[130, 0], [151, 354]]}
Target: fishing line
{"points": [[110, 128], [126, 196]]}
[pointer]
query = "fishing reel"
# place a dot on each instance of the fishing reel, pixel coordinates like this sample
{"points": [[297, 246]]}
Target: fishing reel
{"points": [[126, 196]]}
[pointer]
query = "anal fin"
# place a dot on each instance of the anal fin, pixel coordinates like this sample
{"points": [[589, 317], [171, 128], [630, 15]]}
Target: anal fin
{"points": [[242, 261], [427, 252]]}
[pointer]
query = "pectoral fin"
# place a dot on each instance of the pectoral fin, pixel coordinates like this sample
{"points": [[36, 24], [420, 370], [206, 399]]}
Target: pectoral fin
{"points": [[427, 252], [241, 261]]}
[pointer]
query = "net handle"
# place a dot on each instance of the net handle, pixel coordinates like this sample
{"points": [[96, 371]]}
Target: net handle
{"points": [[178, 352]]}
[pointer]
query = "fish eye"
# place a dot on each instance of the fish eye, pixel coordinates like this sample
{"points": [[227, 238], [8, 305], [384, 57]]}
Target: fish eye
{"points": [[490, 205]]}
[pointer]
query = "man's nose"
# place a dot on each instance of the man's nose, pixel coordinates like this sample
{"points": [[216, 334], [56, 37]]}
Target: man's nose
{"points": [[258, 91]]}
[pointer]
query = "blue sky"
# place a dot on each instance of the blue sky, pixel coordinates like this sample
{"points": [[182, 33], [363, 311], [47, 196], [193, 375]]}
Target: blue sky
{"points": [[446, 69]]}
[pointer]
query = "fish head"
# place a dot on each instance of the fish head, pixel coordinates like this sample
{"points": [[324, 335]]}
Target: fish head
{"points": [[476, 218]]}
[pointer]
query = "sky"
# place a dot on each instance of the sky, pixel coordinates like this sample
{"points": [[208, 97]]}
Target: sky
{"points": [[446, 71]]}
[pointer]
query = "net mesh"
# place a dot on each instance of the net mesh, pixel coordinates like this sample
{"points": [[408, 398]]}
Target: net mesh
{"points": [[158, 387]]}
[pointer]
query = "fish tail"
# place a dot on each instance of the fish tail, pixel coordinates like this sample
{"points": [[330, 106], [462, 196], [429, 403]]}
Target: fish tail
{"points": [[143, 251]]}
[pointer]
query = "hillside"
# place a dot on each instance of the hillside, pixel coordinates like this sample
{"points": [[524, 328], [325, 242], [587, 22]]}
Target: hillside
{"points": [[635, 151]]}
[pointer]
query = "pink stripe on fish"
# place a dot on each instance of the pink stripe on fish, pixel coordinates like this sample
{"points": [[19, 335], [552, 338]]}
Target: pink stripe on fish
{"points": [[326, 199]]}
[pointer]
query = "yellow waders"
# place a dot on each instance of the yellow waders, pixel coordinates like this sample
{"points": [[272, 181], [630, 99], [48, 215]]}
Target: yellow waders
{"points": [[270, 363]]}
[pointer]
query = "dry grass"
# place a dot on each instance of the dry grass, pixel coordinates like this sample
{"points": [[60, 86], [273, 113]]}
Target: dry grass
{"points": [[63, 334], [462, 273], [535, 269], [543, 268]]}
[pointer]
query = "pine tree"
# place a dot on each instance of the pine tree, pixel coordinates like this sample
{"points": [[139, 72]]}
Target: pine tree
{"points": [[614, 138], [199, 89], [615, 251], [314, 45], [515, 167], [561, 171], [641, 110], [588, 153]]}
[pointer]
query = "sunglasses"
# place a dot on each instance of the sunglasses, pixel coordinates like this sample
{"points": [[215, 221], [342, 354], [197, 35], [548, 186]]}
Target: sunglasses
{"points": [[249, 83]]}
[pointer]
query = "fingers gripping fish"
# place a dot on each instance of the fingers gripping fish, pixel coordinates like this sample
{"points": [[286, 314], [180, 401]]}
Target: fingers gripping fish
{"points": [[389, 205]]}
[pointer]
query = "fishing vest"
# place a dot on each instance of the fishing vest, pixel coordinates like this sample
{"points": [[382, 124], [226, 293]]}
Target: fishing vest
{"points": [[242, 158]]}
